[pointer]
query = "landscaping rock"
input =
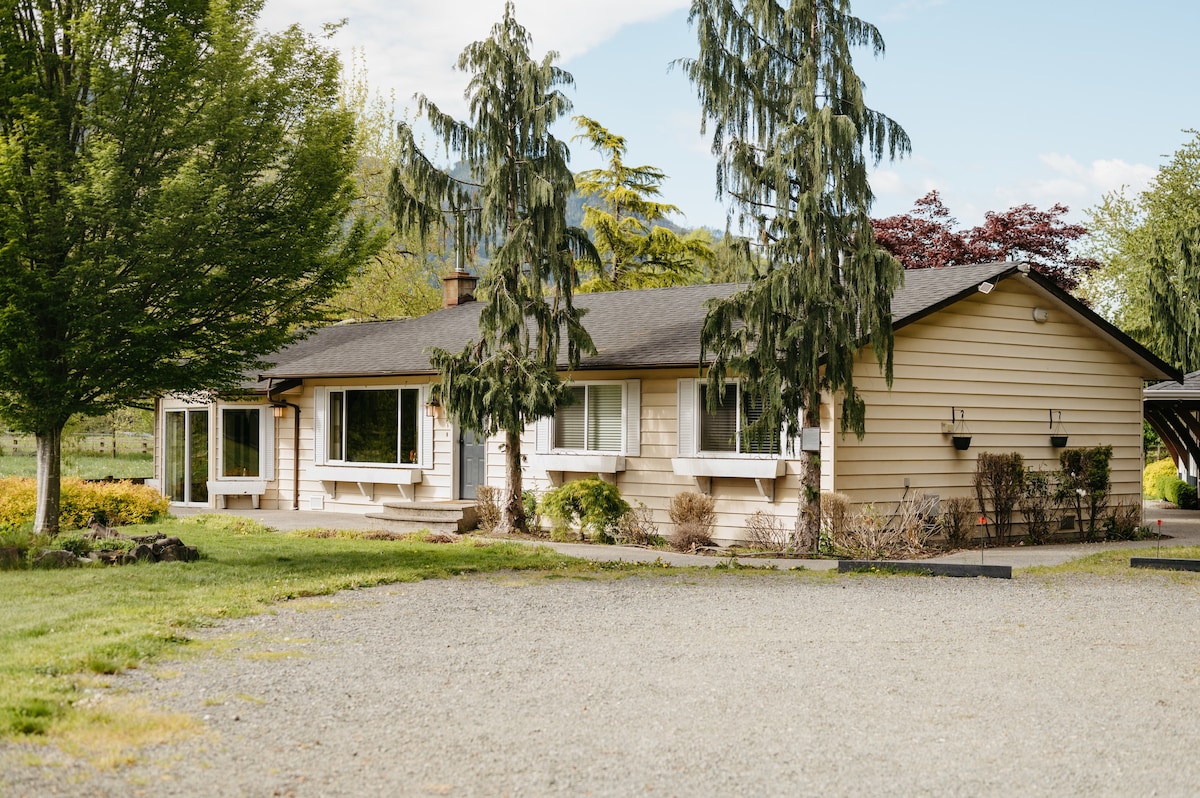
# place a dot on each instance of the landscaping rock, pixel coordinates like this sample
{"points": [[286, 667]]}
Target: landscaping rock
{"points": [[10, 557], [56, 558]]}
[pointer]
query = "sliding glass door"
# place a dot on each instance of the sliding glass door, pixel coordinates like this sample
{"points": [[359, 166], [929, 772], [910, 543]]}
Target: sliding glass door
{"points": [[185, 462]]}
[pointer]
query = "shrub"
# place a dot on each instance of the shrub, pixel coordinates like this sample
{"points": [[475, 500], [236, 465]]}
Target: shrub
{"points": [[1038, 505], [765, 531], [637, 528], [594, 504], [835, 518], [870, 535], [110, 503], [1124, 522], [1178, 492], [1154, 472], [957, 520], [691, 535], [689, 507], [999, 480], [487, 508], [529, 501], [1085, 481]]}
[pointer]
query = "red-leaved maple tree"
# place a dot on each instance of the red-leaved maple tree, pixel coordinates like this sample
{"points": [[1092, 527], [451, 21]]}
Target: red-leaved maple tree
{"points": [[926, 239]]}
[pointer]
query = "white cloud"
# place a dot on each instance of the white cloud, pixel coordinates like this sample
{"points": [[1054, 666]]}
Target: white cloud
{"points": [[1078, 185], [411, 46]]}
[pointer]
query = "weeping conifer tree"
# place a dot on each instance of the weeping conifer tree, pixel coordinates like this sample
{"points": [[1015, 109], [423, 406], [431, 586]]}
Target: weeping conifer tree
{"points": [[793, 137], [514, 200], [1174, 267]]}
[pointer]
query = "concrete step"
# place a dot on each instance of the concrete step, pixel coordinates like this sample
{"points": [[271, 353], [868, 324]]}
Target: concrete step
{"points": [[397, 525], [435, 516]]}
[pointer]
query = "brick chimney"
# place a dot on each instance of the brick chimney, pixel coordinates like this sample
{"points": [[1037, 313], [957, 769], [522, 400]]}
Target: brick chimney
{"points": [[458, 288]]}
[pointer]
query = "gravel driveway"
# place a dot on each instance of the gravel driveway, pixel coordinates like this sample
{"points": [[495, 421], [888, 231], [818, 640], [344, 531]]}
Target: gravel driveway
{"points": [[691, 685]]}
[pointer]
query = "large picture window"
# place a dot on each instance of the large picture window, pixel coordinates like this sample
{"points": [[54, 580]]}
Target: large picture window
{"points": [[722, 429], [593, 422], [374, 425]]}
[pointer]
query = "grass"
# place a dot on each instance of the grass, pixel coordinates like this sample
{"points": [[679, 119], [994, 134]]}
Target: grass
{"points": [[1115, 563], [61, 631], [87, 465]]}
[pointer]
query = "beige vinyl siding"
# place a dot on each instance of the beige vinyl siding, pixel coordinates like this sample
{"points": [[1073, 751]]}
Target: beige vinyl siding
{"points": [[987, 357], [649, 478]]}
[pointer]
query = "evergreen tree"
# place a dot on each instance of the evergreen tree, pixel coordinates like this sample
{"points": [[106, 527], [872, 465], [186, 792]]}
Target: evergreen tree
{"points": [[635, 250], [515, 200], [793, 137], [175, 187]]}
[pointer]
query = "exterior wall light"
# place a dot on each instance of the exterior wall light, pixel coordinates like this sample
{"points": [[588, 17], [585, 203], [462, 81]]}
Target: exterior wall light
{"points": [[1040, 315]]}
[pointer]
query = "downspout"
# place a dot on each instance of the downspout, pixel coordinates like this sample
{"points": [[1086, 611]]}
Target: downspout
{"points": [[295, 443]]}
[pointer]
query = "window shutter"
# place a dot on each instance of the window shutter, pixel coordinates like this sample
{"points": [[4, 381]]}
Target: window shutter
{"points": [[686, 419], [426, 431], [320, 425], [266, 441], [541, 429], [633, 418]]}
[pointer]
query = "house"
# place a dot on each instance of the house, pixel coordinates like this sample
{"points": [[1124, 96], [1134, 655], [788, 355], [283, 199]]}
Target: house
{"points": [[994, 352]]}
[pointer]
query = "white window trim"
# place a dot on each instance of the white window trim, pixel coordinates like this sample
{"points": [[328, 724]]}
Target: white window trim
{"points": [[327, 469], [690, 413], [604, 464], [704, 466], [266, 443]]}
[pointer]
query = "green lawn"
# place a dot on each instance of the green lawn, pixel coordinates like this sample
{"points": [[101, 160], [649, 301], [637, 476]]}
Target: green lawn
{"points": [[60, 629], [85, 465]]}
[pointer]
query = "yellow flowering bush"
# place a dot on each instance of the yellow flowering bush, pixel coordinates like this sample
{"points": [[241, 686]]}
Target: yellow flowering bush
{"points": [[1153, 473], [112, 503]]}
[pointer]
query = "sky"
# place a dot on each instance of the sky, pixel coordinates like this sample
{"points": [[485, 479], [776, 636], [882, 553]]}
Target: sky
{"points": [[1025, 101]]}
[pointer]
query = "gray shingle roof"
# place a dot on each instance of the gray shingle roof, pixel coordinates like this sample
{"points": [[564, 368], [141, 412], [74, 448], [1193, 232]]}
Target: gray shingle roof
{"points": [[657, 327]]}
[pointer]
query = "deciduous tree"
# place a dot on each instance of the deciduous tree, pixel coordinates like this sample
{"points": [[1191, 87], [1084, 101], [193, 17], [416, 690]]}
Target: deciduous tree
{"points": [[926, 238], [515, 201], [401, 278], [793, 138], [1145, 244], [174, 191]]}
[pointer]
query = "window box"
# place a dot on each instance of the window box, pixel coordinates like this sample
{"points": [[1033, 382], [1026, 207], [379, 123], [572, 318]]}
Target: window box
{"points": [[764, 471], [604, 466], [366, 477]]}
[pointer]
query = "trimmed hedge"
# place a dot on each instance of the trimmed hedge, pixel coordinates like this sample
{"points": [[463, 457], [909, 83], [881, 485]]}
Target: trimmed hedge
{"points": [[110, 503], [1177, 492]]}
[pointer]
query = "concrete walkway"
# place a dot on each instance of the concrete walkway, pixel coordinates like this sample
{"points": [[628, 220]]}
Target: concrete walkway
{"points": [[1179, 528]]}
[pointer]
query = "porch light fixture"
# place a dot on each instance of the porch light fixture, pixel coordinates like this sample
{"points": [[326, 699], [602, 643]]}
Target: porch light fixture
{"points": [[1058, 433], [433, 408], [960, 436], [277, 411]]}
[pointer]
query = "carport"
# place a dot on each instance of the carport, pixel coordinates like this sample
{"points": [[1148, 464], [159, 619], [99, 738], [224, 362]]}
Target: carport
{"points": [[1173, 412]]}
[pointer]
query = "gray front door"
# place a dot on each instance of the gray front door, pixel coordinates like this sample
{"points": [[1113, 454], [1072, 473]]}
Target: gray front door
{"points": [[472, 463]]}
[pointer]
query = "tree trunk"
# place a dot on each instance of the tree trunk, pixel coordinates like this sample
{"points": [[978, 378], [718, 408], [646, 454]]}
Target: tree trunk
{"points": [[808, 518], [49, 481], [512, 514]]}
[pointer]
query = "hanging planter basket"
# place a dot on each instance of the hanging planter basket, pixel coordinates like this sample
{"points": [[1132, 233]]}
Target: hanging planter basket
{"points": [[961, 442], [1058, 441]]}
